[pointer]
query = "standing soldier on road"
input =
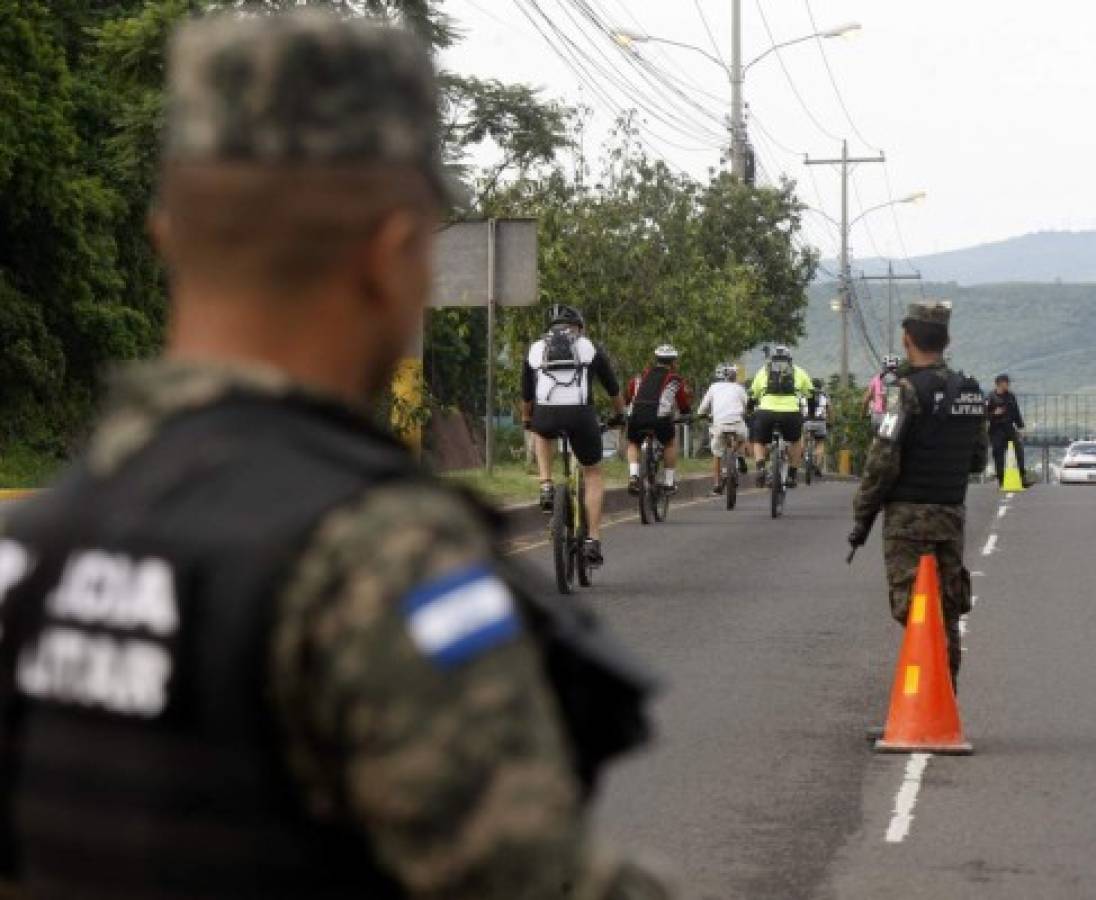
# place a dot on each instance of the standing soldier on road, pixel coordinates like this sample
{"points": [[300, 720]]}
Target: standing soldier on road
{"points": [[932, 438], [1005, 425], [260, 652]]}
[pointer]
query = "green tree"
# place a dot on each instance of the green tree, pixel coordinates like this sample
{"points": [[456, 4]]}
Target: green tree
{"points": [[81, 110]]}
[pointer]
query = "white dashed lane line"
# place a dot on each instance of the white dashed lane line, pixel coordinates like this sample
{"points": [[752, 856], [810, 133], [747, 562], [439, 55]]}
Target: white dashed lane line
{"points": [[991, 545], [906, 798]]}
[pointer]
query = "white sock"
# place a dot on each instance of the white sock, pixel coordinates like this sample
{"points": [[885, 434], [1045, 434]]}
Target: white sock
{"points": [[670, 477], [633, 470]]}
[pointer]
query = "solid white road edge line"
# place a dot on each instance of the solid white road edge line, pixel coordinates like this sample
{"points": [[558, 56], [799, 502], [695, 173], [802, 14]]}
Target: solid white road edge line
{"points": [[906, 798], [991, 545]]}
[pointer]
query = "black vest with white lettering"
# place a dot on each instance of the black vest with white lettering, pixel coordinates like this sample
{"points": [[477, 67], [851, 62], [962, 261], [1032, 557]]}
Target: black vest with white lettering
{"points": [[938, 446], [147, 756]]}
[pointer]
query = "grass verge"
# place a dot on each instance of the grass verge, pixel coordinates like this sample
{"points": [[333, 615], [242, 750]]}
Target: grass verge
{"points": [[23, 467], [513, 483]]}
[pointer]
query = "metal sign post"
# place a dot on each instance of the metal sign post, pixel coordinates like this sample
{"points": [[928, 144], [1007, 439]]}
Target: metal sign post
{"points": [[492, 355], [494, 263]]}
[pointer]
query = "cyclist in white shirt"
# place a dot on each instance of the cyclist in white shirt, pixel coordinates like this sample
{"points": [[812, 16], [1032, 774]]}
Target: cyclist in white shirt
{"points": [[726, 402]]}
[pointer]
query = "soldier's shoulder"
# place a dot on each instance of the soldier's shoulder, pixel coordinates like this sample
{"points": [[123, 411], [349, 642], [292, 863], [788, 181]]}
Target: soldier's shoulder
{"points": [[396, 535]]}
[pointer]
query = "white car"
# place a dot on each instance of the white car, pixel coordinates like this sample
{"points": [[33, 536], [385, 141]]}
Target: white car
{"points": [[1079, 466]]}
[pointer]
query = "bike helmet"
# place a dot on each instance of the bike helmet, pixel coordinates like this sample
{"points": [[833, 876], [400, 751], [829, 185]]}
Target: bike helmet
{"points": [[781, 352], [567, 315], [890, 362], [721, 372], [817, 382], [666, 352], [732, 372]]}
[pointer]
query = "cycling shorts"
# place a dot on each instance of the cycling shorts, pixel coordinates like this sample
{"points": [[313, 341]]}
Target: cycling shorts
{"points": [[816, 427], [719, 435], [579, 423], [663, 429], [791, 425]]}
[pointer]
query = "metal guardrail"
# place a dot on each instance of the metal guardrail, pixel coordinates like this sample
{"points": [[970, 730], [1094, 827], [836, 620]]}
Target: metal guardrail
{"points": [[1056, 420]]}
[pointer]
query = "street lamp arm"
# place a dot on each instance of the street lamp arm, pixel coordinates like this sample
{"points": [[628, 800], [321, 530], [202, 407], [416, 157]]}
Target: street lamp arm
{"points": [[625, 40], [912, 198], [775, 47]]}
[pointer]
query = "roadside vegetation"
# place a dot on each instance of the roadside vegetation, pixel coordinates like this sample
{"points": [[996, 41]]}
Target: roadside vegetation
{"points": [[650, 254]]}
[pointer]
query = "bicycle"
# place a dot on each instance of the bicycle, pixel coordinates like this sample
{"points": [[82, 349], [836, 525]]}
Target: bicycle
{"points": [[808, 454], [728, 469], [568, 525], [654, 498], [777, 466]]}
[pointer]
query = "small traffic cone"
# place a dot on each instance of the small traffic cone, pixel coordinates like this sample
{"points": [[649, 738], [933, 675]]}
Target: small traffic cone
{"points": [[924, 715], [1013, 481]]}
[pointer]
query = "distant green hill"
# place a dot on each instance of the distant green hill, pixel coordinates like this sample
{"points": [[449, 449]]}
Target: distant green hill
{"points": [[1043, 335], [1043, 256]]}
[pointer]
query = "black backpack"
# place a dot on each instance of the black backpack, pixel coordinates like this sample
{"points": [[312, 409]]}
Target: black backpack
{"points": [[781, 380], [561, 354]]}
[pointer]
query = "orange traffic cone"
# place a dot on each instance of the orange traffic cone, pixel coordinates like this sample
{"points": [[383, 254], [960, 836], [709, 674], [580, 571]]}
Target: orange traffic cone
{"points": [[924, 715]]}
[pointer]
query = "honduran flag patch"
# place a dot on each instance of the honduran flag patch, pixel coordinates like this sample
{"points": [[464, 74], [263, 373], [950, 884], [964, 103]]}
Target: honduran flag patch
{"points": [[462, 615]]}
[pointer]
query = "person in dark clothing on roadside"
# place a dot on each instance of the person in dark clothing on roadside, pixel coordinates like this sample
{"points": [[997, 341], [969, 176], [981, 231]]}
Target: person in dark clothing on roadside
{"points": [[1005, 425]]}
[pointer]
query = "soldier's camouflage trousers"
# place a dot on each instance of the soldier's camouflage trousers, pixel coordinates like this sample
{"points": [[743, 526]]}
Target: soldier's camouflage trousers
{"points": [[902, 557]]}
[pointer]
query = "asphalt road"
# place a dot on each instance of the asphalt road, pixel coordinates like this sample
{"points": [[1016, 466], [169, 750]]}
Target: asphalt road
{"points": [[777, 655]]}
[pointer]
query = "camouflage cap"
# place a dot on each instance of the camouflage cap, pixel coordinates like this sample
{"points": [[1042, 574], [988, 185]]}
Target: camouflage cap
{"points": [[932, 312], [303, 87]]}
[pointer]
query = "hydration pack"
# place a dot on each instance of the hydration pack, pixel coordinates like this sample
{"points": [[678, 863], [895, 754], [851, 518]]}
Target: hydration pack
{"points": [[561, 361], [656, 394], [781, 377]]}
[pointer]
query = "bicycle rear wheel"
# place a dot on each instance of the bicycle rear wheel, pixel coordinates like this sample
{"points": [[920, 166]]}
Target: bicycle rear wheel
{"points": [[562, 542], [776, 486], [583, 568], [656, 474], [730, 478], [646, 508]]}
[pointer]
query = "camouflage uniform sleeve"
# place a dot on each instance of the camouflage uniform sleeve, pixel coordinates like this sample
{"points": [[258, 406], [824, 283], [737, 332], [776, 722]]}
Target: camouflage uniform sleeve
{"points": [[458, 777], [884, 462]]}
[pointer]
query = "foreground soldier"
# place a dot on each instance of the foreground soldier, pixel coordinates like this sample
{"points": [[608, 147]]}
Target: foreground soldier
{"points": [[932, 438], [261, 654]]}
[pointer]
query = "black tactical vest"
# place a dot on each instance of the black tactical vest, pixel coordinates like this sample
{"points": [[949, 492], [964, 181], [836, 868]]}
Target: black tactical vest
{"points": [[938, 445], [144, 749], [138, 746]]}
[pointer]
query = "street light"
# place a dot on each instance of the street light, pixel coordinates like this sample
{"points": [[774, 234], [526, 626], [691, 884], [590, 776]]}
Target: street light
{"points": [[628, 40], [915, 197], [844, 279], [735, 72]]}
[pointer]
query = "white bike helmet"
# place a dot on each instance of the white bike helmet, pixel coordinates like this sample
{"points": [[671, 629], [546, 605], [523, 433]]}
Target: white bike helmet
{"points": [[890, 362], [665, 353], [782, 352]]}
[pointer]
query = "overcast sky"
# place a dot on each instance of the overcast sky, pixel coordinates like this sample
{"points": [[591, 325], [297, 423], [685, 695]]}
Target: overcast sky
{"points": [[987, 105]]}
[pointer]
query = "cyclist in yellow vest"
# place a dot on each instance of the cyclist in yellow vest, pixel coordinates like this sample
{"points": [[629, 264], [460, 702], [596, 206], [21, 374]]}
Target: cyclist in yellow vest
{"points": [[776, 388]]}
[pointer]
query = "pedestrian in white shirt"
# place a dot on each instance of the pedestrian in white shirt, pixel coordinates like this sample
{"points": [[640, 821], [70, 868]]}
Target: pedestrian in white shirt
{"points": [[726, 402]]}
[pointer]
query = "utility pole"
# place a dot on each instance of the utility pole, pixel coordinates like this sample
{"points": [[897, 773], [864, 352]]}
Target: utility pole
{"points": [[738, 126], [891, 278], [844, 276]]}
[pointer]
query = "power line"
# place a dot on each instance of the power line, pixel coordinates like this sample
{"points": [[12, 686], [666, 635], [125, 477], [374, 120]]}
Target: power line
{"points": [[583, 65], [567, 54], [898, 230], [708, 28], [620, 80], [833, 80], [642, 66], [788, 76]]}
